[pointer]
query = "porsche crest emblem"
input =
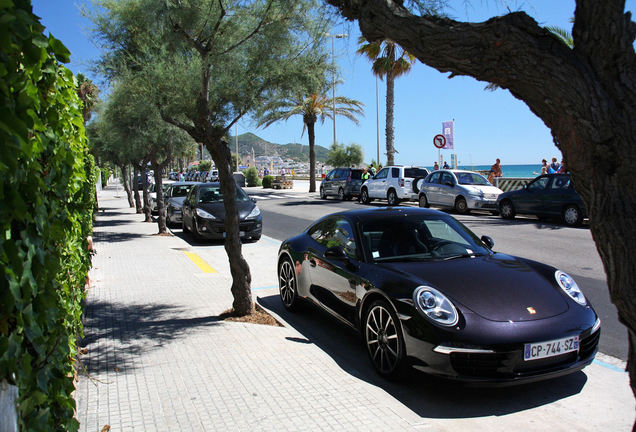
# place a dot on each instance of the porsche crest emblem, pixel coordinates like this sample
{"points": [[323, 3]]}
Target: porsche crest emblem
{"points": [[531, 310]]}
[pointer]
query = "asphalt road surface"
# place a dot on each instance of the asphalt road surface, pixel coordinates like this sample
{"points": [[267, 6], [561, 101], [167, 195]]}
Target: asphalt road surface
{"points": [[569, 249]]}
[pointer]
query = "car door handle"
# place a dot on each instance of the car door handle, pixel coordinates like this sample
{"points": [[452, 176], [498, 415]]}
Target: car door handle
{"points": [[312, 262]]}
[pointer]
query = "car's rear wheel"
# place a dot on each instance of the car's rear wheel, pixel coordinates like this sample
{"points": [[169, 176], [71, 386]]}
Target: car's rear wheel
{"points": [[572, 215], [423, 201], [323, 195], [460, 205], [392, 198], [184, 226], [383, 338], [341, 194], [364, 196], [507, 209], [287, 285]]}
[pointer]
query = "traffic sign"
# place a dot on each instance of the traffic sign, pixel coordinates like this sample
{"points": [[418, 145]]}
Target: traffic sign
{"points": [[439, 141]]}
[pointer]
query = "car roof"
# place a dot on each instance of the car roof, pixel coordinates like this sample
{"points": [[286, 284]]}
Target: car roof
{"points": [[183, 183], [365, 214]]}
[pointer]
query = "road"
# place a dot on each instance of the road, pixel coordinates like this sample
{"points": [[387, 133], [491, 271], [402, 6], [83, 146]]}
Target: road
{"points": [[570, 249]]}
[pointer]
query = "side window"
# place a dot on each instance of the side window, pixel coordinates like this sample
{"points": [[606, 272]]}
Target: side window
{"points": [[330, 175], [395, 172], [339, 174], [335, 231], [539, 184], [560, 182], [434, 178], [447, 178], [383, 173]]}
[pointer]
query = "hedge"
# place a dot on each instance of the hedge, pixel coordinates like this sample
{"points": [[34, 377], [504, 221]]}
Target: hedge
{"points": [[47, 180]]}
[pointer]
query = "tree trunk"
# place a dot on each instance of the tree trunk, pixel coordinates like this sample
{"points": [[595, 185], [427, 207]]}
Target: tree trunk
{"points": [[146, 197], [585, 95], [138, 206], [390, 102], [240, 270], [126, 178], [161, 208], [312, 156]]}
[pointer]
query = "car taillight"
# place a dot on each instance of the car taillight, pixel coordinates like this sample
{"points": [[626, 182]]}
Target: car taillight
{"points": [[401, 182]]}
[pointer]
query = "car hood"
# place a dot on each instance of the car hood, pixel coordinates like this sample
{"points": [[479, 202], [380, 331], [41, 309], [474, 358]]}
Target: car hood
{"points": [[218, 210], [498, 287], [485, 189]]}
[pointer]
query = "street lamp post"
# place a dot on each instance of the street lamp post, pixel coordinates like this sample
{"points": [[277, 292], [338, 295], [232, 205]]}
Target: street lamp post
{"points": [[333, 67]]}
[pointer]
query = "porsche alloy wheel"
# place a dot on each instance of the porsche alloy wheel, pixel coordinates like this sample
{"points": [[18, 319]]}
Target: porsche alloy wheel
{"points": [[287, 284], [383, 338]]}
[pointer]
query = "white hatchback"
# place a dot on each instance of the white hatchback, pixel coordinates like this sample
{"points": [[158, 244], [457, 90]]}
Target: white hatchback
{"points": [[458, 189]]}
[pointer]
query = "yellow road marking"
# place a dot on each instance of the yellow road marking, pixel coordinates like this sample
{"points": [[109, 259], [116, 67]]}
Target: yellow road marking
{"points": [[200, 263]]}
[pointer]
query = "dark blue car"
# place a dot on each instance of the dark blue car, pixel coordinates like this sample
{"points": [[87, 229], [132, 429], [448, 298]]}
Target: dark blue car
{"points": [[549, 195]]}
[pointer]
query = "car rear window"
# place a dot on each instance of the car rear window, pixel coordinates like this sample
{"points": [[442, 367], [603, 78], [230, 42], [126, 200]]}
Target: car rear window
{"points": [[415, 172], [356, 174]]}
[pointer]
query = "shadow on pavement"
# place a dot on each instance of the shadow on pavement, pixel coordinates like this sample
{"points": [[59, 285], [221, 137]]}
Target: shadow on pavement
{"points": [[115, 237], [312, 202], [425, 395], [117, 334]]}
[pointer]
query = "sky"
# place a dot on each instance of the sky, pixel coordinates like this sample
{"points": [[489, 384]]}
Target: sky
{"points": [[488, 125]]}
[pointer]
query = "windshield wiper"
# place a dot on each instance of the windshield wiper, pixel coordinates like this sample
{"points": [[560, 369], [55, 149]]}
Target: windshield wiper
{"points": [[401, 258], [465, 255]]}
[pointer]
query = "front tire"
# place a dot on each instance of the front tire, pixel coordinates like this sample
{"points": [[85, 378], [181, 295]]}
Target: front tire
{"points": [[572, 215], [383, 338], [392, 198], [287, 284], [323, 195], [460, 205], [507, 209], [364, 196], [341, 194], [423, 202]]}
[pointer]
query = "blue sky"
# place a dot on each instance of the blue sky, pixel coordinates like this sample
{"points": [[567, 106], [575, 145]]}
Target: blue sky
{"points": [[488, 125]]}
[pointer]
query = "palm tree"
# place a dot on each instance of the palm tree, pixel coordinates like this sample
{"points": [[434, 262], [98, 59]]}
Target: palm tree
{"points": [[390, 61], [88, 93], [316, 106]]}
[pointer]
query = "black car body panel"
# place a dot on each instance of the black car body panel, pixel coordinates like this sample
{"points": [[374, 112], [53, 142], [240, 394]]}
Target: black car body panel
{"points": [[503, 302]]}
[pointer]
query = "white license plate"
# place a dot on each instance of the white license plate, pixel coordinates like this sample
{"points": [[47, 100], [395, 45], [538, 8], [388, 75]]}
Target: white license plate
{"points": [[535, 351], [241, 234]]}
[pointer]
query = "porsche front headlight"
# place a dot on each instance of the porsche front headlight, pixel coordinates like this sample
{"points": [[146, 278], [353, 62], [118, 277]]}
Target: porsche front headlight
{"points": [[435, 306], [570, 287]]}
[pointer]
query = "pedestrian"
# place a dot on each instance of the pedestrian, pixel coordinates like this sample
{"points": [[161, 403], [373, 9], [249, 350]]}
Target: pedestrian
{"points": [[322, 171], [365, 174], [435, 166], [544, 166], [554, 166], [562, 168], [495, 171], [446, 165]]}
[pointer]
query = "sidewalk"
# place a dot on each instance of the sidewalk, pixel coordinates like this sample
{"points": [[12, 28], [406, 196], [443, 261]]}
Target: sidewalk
{"points": [[159, 359]]}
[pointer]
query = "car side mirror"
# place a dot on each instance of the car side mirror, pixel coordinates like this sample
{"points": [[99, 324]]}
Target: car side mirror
{"points": [[488, 241], [335, 252], [253, 200]]}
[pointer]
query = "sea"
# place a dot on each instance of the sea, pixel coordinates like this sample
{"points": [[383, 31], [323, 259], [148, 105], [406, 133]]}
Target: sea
{"points": [[529, 171]]}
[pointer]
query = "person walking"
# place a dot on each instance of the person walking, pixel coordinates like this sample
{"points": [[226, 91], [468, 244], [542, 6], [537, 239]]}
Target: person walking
{"points": [[435, 166], [544, 166], [495, 171], [554, 166], [446, 165], [365, 175]]}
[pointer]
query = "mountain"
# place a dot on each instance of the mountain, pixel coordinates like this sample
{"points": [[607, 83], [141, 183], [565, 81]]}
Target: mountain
{"points": [[295, 151]]}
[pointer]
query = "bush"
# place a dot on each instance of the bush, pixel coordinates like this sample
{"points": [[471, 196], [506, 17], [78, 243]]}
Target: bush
{"points": [[251, 177], [47, 184], [267, 181]]}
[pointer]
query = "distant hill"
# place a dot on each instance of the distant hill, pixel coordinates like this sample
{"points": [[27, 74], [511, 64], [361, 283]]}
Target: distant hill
{"points": [[295, 151]]}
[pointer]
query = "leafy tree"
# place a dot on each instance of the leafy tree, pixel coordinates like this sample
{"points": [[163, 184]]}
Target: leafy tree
{"points": [[315, 107], [389, 61], [585, 95], [88, 92], [209, 63], [205, 165], [345, 156]]}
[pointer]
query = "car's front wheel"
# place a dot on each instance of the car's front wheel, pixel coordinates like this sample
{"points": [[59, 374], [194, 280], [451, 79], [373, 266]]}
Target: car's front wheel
{"points": [[423, 202], [383, 338], [323, 195], [392, 198], [287, 285], [572, 215], [364, 196], [341, 194], [460, 205], [507, 209]]}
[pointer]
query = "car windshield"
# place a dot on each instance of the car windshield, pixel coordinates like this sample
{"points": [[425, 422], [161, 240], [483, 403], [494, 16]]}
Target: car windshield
{"points": [[471, 179], [181, 190], [419, 237], [415, 172], [211, 194]]}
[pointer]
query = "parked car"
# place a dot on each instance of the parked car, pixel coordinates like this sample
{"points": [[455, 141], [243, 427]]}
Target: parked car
{"points": [[213, 176], [342, 182], [394, 184], [460, 190], [152, 192], [549, 195], [422, 289], [174, 197], [204, 213], [173, 175]]}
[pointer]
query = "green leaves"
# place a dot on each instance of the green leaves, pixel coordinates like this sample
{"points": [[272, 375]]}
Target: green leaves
{"points": [[45, 216]]}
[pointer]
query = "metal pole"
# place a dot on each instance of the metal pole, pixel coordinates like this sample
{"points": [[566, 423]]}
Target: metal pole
{"points": [[333, 100], [377, 121], [236, 142]]}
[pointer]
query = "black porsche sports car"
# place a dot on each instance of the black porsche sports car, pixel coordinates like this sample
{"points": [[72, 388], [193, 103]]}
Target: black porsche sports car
{"points": [[423, 290]]}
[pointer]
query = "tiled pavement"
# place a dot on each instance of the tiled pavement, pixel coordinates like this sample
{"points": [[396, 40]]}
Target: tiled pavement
{"points": [[159, 359]]}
